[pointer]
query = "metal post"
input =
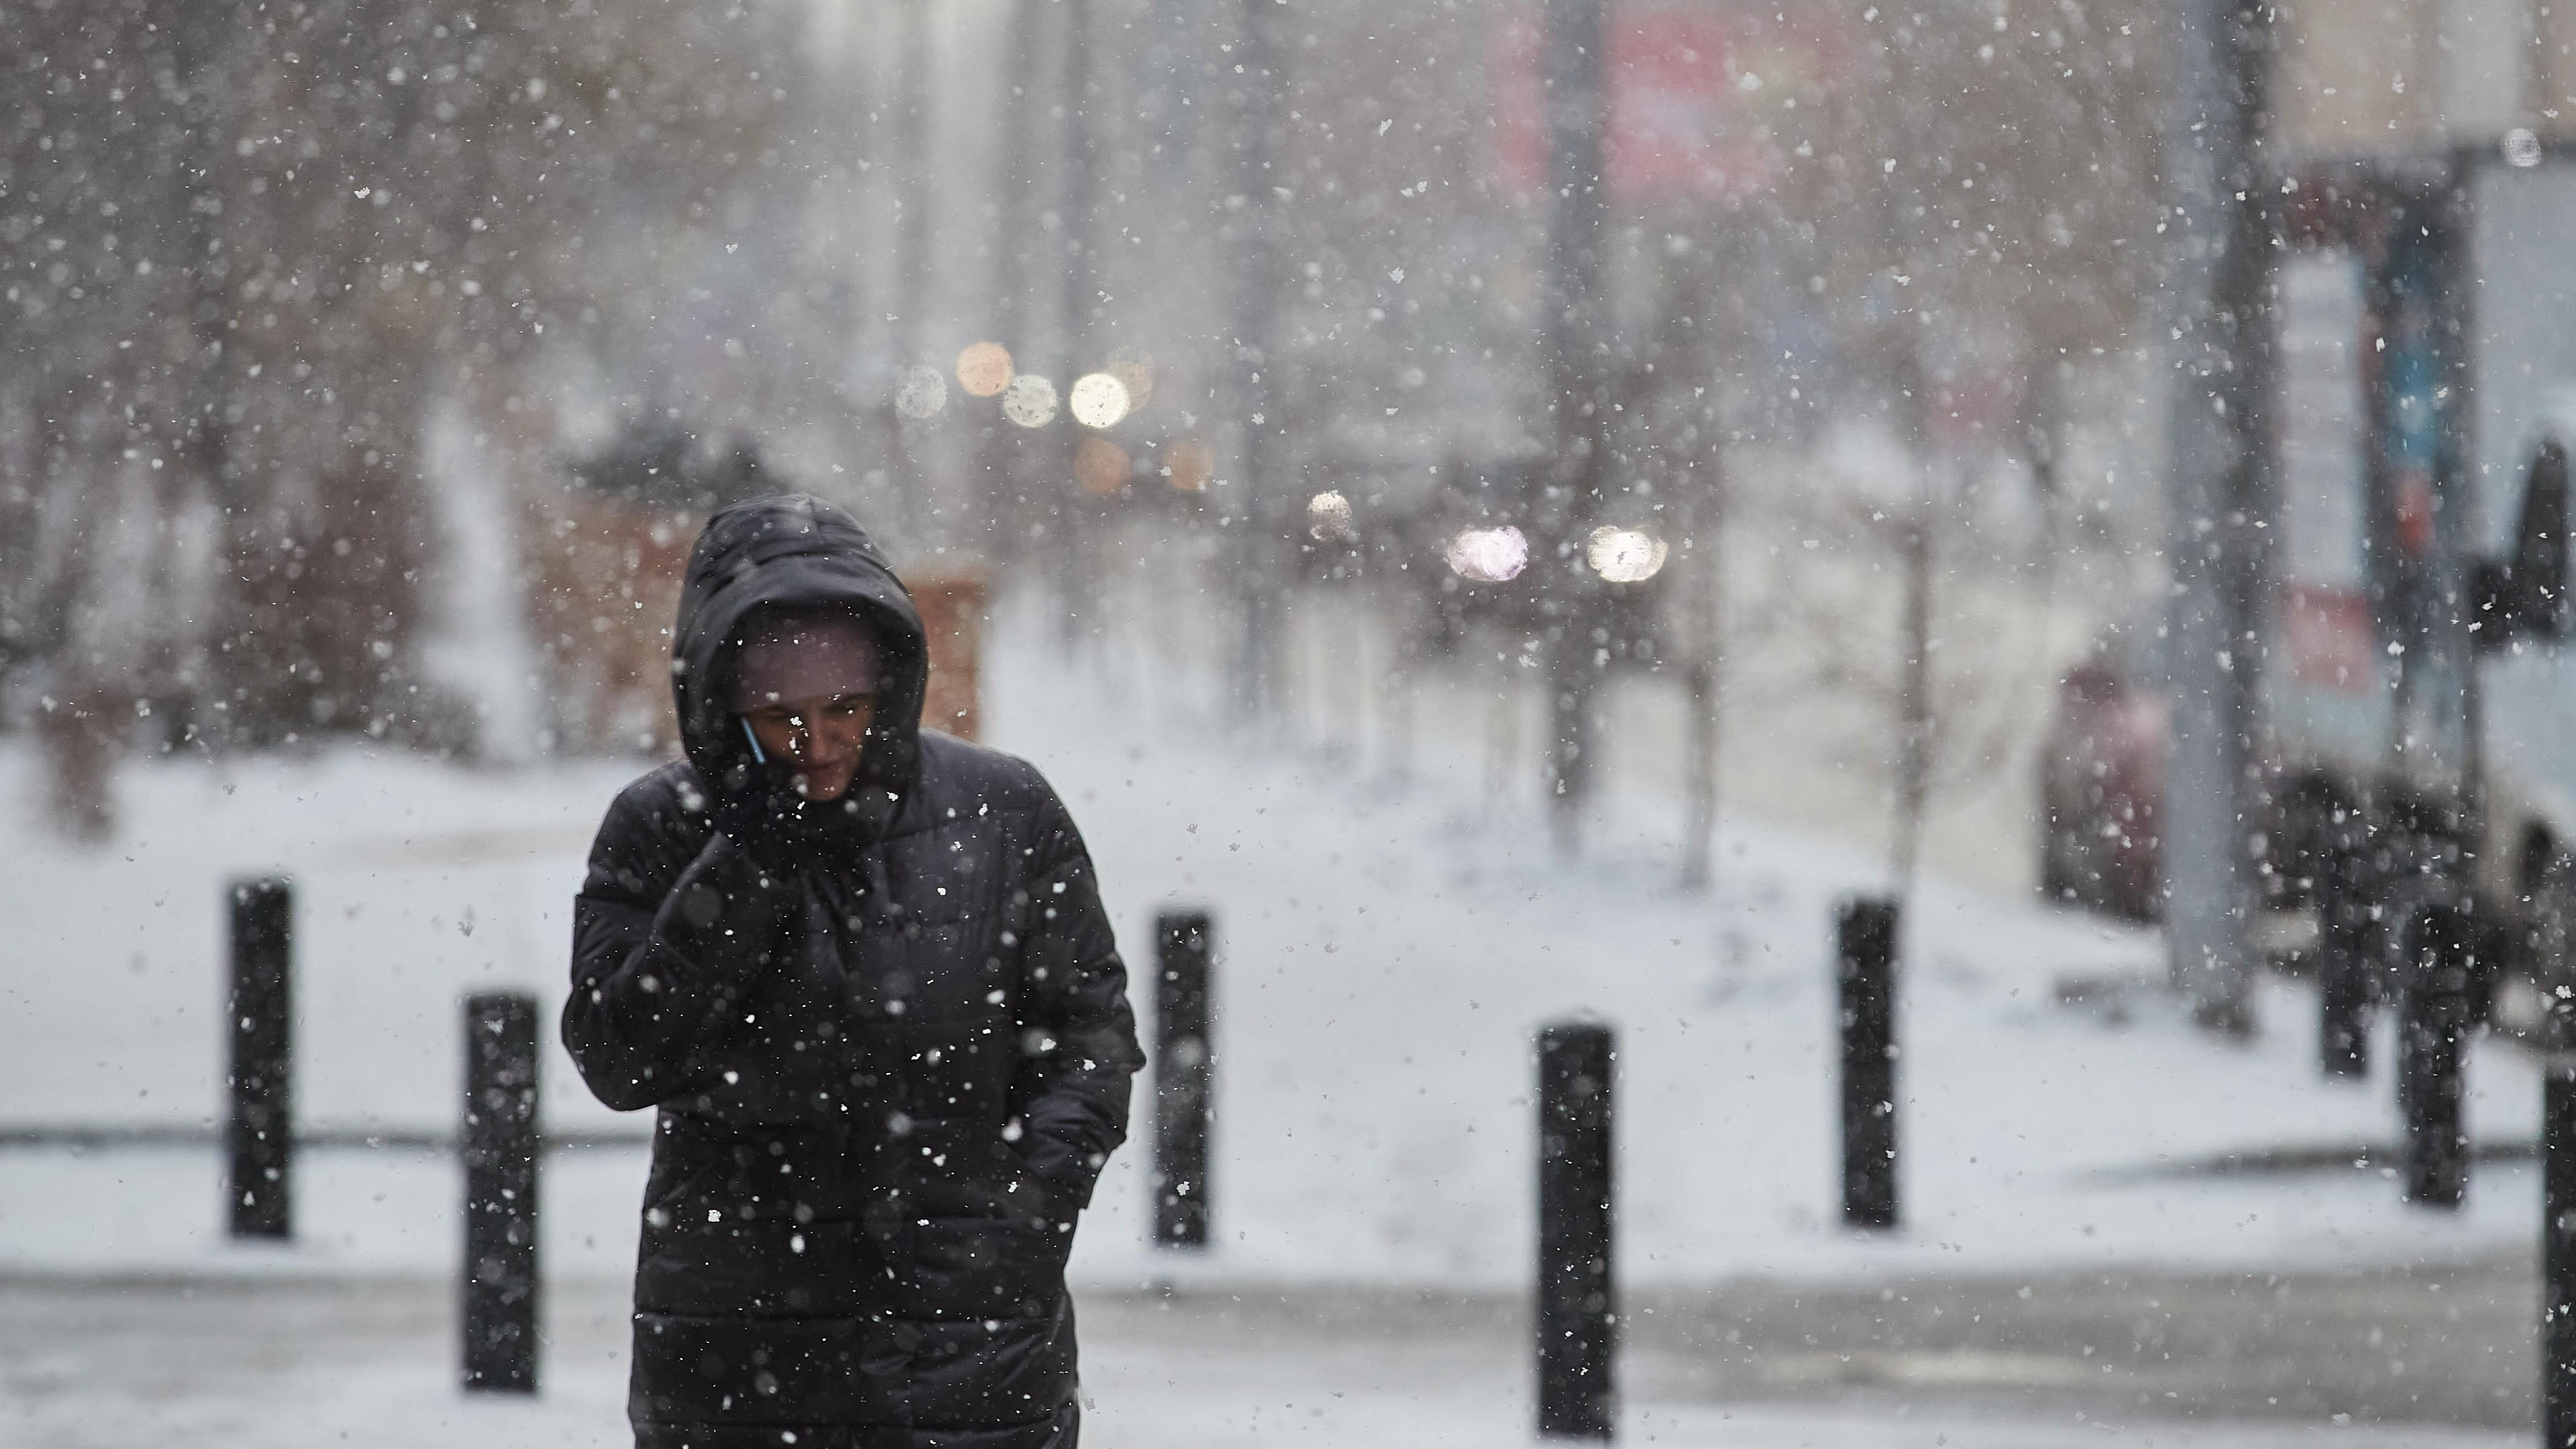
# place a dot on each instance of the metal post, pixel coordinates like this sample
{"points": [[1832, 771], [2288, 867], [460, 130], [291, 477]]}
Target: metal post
{"points": [[2428, 1067], [500, 1141], [1866, 981], [1570, 67], [1577, 1302], [2343, 966], [2217, 278], [260, 1134], [1183, 1067], [2558, 1257]]}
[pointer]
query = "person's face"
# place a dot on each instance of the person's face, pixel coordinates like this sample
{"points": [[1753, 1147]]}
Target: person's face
{"points": [[820, 738]]}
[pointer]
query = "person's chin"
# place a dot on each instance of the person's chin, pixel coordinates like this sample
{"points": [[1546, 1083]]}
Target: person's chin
{"points": [[822, 791]]}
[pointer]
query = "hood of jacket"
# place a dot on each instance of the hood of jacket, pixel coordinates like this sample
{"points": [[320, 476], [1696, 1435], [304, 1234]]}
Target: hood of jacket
{"points": [[795, 550]]}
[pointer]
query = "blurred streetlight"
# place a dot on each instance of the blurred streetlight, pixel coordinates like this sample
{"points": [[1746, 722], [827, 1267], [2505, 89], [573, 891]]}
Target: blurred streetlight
{"points": [[923, 393], [1624, 555], [1489, 555], [1328, 517], [1099, 400], [984, 368], [1029, 401], [1101, 467]]}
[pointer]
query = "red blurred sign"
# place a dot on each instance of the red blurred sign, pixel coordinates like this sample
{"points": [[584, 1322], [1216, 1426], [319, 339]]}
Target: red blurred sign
{"points": [[1694, 106]]}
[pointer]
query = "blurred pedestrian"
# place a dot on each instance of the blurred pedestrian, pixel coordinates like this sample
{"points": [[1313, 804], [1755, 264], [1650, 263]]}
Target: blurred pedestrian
{"points": [[864, 975]]}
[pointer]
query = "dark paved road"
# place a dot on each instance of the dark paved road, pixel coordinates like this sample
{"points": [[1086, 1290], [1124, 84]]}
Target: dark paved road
{"points": [[2451, 1345]]}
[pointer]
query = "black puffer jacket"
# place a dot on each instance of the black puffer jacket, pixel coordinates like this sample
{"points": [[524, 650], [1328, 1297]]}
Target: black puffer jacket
{"points": [[889, 1041]]}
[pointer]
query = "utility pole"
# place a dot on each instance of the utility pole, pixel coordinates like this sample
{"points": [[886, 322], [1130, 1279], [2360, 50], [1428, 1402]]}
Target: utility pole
{"points": [[199, 37], [1914, 707], [1256, 265], [1704, 508], [855, 377], [1699, 447], [1076, 581], [2217, 280], [999, 454], [197, 41], [1570, 73], [912, 144], [912, 255]]}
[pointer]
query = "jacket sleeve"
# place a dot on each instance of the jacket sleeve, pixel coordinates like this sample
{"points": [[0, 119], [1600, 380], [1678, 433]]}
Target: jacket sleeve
{"points": [[1078, 1039], [665, 941]]}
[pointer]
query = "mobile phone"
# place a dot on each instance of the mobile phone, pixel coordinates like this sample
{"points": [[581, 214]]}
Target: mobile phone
{"points": [[758, 755]]}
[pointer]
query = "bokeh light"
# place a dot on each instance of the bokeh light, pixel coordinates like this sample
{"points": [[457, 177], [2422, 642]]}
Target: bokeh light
{"points": [[984, 368], [1098, 400], [923, 393], [1187, 466], [1101, 467], [1624, 555], [1029, 401], [1489, 555], [1135, 372], [1328, 517]]}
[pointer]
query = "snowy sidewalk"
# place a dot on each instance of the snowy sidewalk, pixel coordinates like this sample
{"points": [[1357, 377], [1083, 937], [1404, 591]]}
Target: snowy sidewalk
{"points": [[289, 1366]]}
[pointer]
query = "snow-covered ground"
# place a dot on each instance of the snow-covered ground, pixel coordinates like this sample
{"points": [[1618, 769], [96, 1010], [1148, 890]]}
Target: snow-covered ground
{"points": [[1384, 959]]}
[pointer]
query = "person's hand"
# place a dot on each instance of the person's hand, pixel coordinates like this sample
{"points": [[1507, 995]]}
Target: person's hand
{"points": [[760, 811], [723, 880], [726, 908]]}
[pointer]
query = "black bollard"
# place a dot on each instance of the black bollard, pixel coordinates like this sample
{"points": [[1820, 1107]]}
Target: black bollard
{"points": [[2343, 966], [259, 1136], [1183, 1067], [1867, 978], [2428, 1065], [500, 1141], [2558, 1258], [1577, 1303]]}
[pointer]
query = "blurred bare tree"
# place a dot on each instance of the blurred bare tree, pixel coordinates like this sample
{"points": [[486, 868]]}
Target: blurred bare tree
{"points": [[248, 250]]}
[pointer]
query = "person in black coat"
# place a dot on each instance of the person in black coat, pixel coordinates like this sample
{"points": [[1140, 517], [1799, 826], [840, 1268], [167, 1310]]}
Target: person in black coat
{"points": [[863, 975]]}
